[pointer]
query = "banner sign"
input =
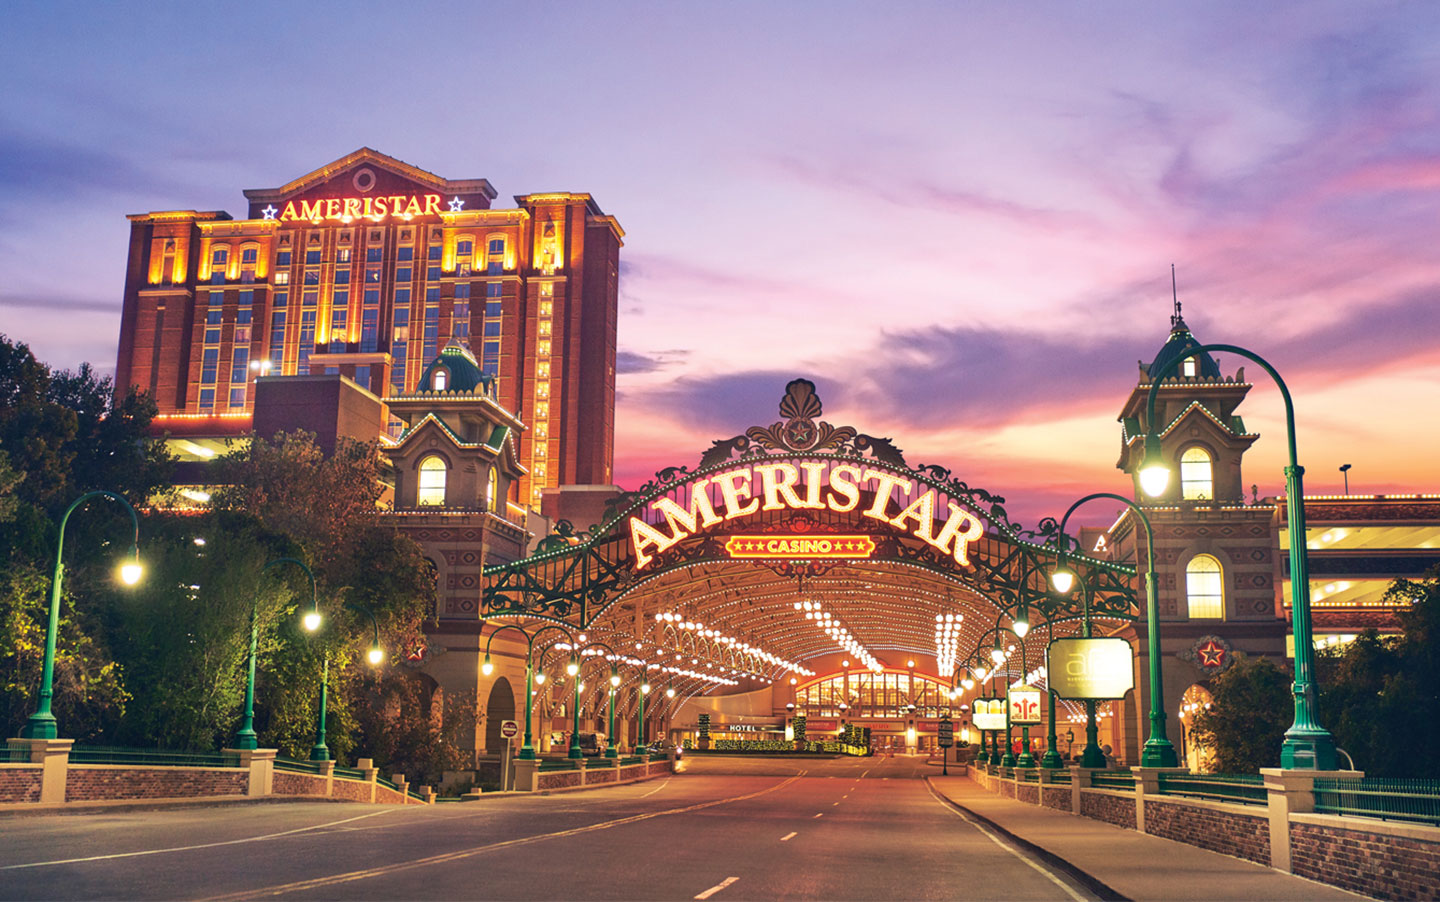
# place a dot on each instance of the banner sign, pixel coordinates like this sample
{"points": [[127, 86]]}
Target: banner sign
{"points": [[1090, 668], [1024, 705], [989, 714]]}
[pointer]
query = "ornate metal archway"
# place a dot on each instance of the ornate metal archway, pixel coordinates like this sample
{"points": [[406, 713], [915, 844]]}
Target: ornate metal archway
{"points": [[711, 569]]}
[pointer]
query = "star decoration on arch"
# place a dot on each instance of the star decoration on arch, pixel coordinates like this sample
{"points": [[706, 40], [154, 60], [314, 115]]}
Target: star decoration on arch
{"points": [[269, 212], [456, 205], [1211, 654]]}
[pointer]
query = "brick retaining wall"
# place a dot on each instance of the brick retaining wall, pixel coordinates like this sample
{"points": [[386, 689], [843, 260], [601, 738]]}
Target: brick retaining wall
{"points": [[1028, 792], [1057, 797], [287, 783], [1112, 809], [91, 782], [1375, 864], [1227, 832], [558, 779], [19, 784]]}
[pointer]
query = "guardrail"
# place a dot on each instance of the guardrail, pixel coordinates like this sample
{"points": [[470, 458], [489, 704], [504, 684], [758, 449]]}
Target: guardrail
{"points": [[1112, 779], [14, 755], [300, 767], [101, 754], [548, 764], [1246, 789], [1416, 801]]}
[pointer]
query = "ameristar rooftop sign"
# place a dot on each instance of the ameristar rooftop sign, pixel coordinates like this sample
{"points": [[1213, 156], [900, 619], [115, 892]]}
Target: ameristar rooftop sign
{"points": [[756, 487]]}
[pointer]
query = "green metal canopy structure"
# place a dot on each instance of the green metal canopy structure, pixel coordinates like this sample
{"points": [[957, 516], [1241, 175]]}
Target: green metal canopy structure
{"points": [[798, 540]]}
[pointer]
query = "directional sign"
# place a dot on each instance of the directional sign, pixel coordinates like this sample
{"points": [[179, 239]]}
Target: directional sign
{"points": [[509, 729], [1090, 668], [1024, 705], [947, 733]]}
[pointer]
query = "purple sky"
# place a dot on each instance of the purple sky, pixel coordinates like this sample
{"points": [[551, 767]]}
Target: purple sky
{"points": [[958, 219]]}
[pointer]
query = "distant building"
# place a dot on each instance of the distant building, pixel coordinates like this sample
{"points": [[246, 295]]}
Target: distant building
{"points": [[367, 267]]}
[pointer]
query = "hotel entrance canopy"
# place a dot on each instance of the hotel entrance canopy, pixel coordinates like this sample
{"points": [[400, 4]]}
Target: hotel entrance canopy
{"points": [[795, 542]]}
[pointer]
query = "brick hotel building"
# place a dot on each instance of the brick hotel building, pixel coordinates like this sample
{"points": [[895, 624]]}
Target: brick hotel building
{"points": [[368, 267]]}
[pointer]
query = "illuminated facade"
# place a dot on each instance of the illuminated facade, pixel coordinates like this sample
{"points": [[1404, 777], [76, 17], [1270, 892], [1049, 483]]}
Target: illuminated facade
{"points": [[368, 267]]}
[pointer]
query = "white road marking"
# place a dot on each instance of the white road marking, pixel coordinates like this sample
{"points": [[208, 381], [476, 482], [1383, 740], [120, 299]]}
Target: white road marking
{"points": [[717, 887], [788, 836], [833, 804], [208, 845], [656, 789], [862, 776], [997, 840], [821, 814]]}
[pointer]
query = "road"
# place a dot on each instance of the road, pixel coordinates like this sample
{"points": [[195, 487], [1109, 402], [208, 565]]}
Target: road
{"points": [[727, 830]]}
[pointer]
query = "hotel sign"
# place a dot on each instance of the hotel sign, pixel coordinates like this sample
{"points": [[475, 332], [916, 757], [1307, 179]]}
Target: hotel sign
{"points": [[989, 714], [755, 487], [1090, 668], [350, 208], [799, 547]]}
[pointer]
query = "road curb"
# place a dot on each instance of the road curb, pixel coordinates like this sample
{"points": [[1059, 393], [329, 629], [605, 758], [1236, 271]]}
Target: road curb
{"points": [[1084, 878]]}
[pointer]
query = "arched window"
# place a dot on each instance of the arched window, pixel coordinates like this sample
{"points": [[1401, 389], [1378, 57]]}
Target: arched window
{"points": [[1205, 588], [1187, 367], [431, 488], [490, 481], [439, 381], [1197, 481]]}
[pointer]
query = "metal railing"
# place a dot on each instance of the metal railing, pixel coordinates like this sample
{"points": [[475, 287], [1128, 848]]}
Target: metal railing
{"points": [[1387, 798], [299, 767], [1112, 779], [349, 773], [1246, 789], [557, 764], [101, 754], [14, 754], [1060, 776], [386, 783], [1028, 775]]}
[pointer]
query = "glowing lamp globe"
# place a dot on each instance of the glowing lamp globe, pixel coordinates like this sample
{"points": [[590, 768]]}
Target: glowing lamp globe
{"points": [[311, 620]]}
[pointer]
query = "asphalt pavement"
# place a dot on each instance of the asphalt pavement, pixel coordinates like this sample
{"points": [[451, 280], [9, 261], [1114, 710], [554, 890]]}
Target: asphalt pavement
{"points": [[728, 829]]}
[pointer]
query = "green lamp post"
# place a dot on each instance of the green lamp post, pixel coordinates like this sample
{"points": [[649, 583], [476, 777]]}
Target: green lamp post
{"points": [[573, 670], [640, 724], [311, 621], [245, 737], [1307, 745], [41, 724], [527, 750], [1158, 751], [1064, 581], [1051, 760]]}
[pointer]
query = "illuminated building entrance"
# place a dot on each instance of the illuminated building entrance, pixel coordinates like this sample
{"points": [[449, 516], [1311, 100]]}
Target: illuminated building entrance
{"points": [[803, 577]]}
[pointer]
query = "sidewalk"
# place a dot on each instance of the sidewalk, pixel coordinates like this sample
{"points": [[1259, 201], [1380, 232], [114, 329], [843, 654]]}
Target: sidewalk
{"points": [[1135, 865]]}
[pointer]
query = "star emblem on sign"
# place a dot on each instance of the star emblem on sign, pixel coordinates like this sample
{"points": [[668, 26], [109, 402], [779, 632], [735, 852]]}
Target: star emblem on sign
{"points": [[456, 205], [269, 212], [1212, 654]]}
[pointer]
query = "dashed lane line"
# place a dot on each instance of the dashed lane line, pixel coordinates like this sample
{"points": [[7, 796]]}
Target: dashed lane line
{"points": [[821, 814], [395, 867], [717, 887], [789, 836]]}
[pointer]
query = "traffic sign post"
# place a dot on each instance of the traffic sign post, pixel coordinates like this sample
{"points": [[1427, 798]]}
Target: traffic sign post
{"points": [[947, 740], [509, 729]]}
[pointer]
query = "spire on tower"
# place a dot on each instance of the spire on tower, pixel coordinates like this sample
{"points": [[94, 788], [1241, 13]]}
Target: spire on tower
{"points": [[1176, 322]]}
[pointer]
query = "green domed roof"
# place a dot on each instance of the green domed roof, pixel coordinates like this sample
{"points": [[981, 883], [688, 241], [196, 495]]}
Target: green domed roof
{"points": [[462, 372], [1180, 346]]}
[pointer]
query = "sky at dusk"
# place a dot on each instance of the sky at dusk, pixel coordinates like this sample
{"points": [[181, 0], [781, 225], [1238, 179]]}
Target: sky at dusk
{"points": [[958, 219]]}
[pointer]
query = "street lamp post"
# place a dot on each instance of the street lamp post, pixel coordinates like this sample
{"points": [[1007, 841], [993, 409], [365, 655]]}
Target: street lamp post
{"points": [[1051, 759], [1307, 745], [1064, 580], [640, 720], [527, 750], [320, 751], [1158, 751], [41, 724], [245, 737], [311, 621]]}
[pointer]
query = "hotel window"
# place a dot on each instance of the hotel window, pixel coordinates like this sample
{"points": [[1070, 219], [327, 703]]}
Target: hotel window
{"points": [[492, 328], [277, 331], [209, 365], [1205, 588], [465, 248], [338, 332], [430, 490], [219, 258], [312, 277], [460, 316], [490, 485], [282, 277], [342, 277], [433, 254], [342, 255], [282, 259], [249, 255], [370, 329], [439, 380], [496, 253], [490, 362], [399, 343], [497, 246], [207, 399], [312, 258], [405, 254], [430, 325], [308, 303], [374, 254], [237, 398], [239, 368], [404, 274], [1196, 475]]}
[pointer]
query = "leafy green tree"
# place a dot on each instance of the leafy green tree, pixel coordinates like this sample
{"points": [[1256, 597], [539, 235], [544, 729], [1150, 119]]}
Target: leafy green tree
{"points": [[1253, 707]]}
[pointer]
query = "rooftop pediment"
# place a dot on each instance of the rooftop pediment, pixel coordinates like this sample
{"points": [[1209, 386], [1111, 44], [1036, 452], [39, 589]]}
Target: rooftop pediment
{"points": [[368, 186]]}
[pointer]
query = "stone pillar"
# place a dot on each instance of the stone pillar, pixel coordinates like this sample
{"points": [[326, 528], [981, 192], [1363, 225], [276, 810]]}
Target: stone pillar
{"points": [[580, 765], [428, 794], [527, 775], [1292, 791], [53, 756], [261, 764], [327, 770], [367, 767], [403, 786], [1079, 780], [1147, 783]]}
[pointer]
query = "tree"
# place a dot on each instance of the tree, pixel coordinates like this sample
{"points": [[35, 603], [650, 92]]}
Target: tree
{"points": [[1253, 707]]}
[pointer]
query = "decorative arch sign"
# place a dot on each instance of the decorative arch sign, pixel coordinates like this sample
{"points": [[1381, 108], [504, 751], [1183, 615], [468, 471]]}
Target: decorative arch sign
{"points": [[827, 485]]}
